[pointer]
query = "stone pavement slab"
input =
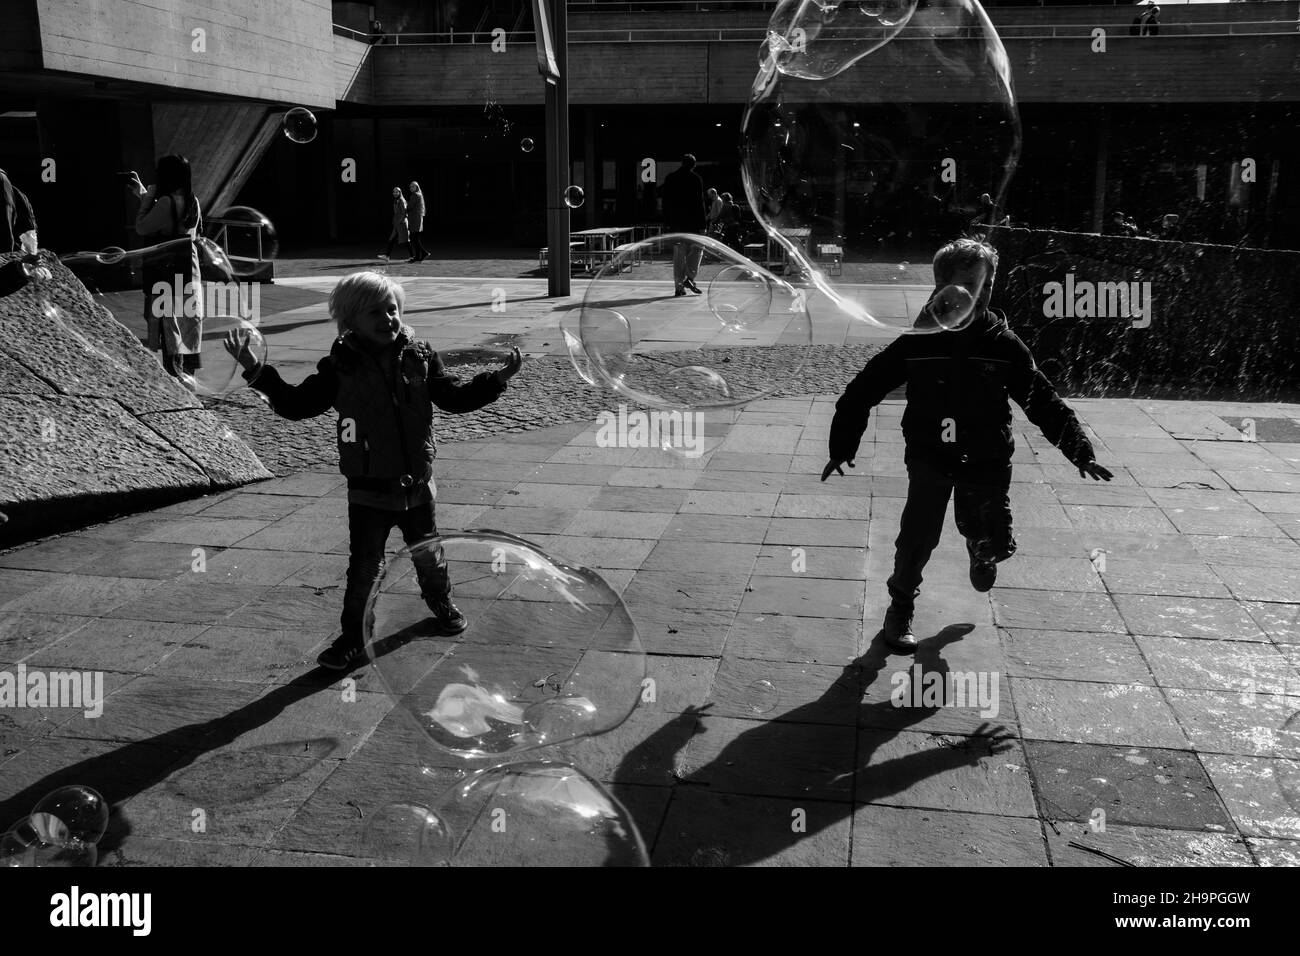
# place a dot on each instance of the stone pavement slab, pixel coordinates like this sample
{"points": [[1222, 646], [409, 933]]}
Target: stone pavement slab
{"points": [[1143, 643]]}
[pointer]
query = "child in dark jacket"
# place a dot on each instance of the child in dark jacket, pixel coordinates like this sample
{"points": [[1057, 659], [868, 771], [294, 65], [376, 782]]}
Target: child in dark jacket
{"points": [[383, 384], [957, 426]]}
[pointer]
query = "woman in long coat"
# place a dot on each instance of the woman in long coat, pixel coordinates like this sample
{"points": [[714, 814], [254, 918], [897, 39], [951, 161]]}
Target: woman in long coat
{"points": [[415, 222], [399, 234]]}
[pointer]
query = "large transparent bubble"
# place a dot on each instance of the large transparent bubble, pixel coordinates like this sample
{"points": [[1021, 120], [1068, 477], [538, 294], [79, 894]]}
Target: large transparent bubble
{"points": [[530, 813], [735, 340], [549, 652], [247, 236], [875, 133]]}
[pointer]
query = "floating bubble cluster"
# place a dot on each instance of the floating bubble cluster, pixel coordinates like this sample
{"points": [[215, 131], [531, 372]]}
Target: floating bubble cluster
{"points": [[221, 372], [883, 129], [299, 125], [550, 653], [62, 830], [624, 341]]}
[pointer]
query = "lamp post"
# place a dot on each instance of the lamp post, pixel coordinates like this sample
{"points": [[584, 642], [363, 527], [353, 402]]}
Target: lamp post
{"points": [[551, 27]]}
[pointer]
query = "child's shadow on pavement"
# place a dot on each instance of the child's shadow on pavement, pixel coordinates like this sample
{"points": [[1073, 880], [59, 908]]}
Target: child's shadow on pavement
{"points": [[879, 722]]}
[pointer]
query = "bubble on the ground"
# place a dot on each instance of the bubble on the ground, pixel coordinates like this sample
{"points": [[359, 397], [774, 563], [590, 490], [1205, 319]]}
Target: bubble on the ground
{"points": [[80, 812], [1287, 770], [535, 813], [299, 125], [548, 653], [41, 841], [574, 197], [406, 833], [762, 697], [629, 329], [221, 372], [527, 144], [240, 237], [878, 133]]}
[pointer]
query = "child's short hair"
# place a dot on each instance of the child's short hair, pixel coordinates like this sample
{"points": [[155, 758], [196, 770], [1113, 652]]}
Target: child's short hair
{"points": [[359, 291], [961, 253]]}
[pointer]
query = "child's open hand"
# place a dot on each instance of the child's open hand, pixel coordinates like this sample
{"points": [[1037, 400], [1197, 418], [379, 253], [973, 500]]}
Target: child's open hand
{"points": [[507, 371], [1093, 470], [236, 343], [834, 466]]}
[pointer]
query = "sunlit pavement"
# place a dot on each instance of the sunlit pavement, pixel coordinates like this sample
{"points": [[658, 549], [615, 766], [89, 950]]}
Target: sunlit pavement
{"points": [[1144, 643]]}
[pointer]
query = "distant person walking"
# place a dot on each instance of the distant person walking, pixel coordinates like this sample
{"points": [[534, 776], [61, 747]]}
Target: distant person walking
{"points": [[684, 211], [16, 218], [415, 223], [399, 234], [729, 221], [173, 287], [715, 210]]}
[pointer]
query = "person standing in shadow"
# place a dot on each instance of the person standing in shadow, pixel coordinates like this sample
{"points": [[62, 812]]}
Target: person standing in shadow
{"points": [[684, 211], [415, 223], [399, 234]]}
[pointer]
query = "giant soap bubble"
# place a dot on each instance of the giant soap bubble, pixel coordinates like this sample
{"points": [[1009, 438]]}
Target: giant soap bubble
{"points": [[247, 235], [631, 332], [529, 813], [550, 652], [880, 129]]}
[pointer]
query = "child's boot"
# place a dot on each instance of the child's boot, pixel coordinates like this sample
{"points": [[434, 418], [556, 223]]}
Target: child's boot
{"points": [[435, 588], [898, 627]]}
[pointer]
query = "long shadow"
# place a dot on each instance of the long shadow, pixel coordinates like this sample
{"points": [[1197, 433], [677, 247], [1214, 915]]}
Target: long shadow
{"points": [[471, 305], [131, 769], [615, 303], [880, 722]]}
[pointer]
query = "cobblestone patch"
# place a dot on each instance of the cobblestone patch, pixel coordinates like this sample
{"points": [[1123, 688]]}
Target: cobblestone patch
{"points": [[547, 391]]}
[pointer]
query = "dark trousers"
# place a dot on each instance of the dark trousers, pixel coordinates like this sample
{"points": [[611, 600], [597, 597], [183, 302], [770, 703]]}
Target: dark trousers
{"points": [[368, 529], [394, 242], [981, 506], [417, 247]]}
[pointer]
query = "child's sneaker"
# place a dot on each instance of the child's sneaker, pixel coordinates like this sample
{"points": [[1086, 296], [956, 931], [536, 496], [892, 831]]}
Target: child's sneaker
{"points": [[447, 617], [898, 627], [983, 567], [344, 654]]}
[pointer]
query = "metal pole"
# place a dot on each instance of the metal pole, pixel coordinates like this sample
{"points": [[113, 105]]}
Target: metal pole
{"points": [[557, 155]]}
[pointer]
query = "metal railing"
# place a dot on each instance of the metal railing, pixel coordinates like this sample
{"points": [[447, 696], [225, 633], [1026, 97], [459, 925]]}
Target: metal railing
{"points": [[1035, 31], [221, 233]]}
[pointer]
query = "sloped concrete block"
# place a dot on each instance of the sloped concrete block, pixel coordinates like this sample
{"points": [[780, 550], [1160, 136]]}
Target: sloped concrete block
{"points": [[207, 440], [53, 448], [15, 379]]}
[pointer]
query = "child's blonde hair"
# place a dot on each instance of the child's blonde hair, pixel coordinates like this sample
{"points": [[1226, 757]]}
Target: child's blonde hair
{"points": [[357, 292], [960, 253]]}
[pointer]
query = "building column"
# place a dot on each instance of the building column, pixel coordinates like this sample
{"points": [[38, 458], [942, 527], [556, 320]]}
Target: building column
{"points": [[591, 182], [1099, 182]]}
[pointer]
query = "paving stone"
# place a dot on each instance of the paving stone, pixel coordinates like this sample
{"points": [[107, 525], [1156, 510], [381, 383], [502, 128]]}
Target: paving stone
{"points": [[728, 503], [1275, 852], [824, 506], [153, 852], [63, 554], [525, 521], [1189, 521], [651, 477], [1261, 584], [686, 590], [1064, 655], [665, 629], [805, 597], [565, 497], [304, 484], [708, 829], [298, 534], [781, 637], [1251, 789], [676, 555], [1050, 574], [27, 633], [1281, 622], [908, 836], [776, 690], [1086, 712], [1142, 786], [1148, 846], [1187, 617], [1235, 723], [717, 529], [1064, 611], [775, 759], [600, 553], [1232, 666], [251, 655], [1135, 576], [189, 602], [847, 564], [87, 595], [108, 644], [255, 565], [944, 772], [618, 524]]}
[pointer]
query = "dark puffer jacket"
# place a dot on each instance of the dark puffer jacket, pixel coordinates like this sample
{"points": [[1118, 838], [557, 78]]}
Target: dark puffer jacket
{"points": [[958, 384], [384, 403]]}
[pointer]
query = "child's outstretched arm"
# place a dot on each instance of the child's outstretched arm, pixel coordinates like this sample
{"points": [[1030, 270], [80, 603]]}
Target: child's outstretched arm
{"points": [[452, 395], [1055, 419], [886, 371], [314, 396]]}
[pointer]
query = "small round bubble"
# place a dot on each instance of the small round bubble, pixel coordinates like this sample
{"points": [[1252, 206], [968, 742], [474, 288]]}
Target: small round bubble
{"points": [[546, 652], [574, 197], [762, 697], [82, 812], [299, 125], [527, 145], [407, 833]]}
